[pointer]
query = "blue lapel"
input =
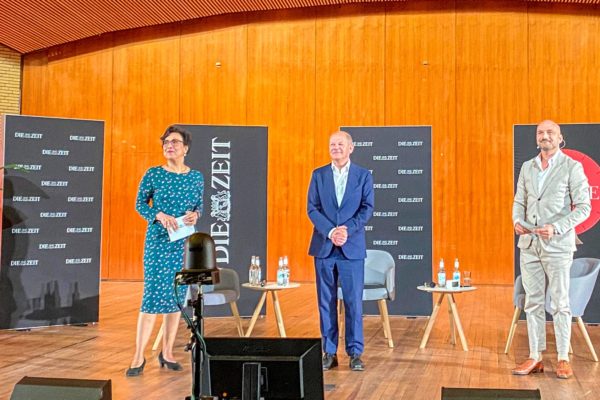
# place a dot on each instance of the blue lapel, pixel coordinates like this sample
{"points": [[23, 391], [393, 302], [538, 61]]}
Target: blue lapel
{"points": [[329, 184]]}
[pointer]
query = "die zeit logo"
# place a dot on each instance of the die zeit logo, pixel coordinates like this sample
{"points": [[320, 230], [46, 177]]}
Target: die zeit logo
{"points": [[592, 171]]}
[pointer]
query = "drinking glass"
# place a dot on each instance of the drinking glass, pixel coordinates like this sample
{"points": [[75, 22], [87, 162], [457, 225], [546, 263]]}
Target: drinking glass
{"points": [[466, 278]]}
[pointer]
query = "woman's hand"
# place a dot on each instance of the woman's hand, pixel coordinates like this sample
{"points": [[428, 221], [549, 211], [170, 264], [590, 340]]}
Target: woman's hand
{"points": [[191, 217], [167, 221]]}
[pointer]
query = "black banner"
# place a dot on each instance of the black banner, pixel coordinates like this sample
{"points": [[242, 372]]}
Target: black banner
{"points": [[233, 160], [582, 144], [51, 221], [400, 161]]}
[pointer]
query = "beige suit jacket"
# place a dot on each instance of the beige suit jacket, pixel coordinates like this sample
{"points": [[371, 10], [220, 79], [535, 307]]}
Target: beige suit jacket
{"points": [[563, 201]]}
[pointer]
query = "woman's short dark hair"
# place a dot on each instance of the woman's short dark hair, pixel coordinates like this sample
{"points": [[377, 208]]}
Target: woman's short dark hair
{"points": [[185, 135]]}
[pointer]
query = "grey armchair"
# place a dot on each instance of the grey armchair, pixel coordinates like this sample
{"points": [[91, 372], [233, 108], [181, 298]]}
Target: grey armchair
{"points": [[380, 272], [519, 302], [227, 291], [584, 273]]}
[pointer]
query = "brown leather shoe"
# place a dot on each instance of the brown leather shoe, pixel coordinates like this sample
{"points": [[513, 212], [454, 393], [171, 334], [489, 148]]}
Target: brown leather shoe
{"points": [[564, 370], [529, 366]]}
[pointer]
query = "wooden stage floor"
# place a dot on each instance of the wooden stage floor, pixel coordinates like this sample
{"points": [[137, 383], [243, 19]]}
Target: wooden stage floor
{"points": [[104, 350]]}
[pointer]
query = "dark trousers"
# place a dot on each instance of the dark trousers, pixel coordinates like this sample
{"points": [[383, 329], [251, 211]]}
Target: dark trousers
{"points": [[350, 275]]}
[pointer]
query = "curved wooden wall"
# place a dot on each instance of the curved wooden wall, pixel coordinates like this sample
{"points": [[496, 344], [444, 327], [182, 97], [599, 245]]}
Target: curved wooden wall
{"points": [[469, 69]]}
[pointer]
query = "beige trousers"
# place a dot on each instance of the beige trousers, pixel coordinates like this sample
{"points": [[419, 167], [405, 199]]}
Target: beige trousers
{"points": [[536, 265]]}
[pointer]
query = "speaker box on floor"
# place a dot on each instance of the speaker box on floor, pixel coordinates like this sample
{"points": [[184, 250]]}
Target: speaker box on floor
{"points": [[33, 388], [487, 394]]}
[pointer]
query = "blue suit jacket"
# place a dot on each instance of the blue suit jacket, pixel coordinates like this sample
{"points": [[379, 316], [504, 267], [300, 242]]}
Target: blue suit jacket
{"points": [[354, 212]]}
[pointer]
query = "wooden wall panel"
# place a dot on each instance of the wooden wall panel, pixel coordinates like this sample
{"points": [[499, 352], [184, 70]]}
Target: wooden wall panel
{"points": [[35, 84], [350, 73], [491, 95], [145, 87], [77, 73], [281, 95], [127, 228], [469, 69], [214, 71], [145, 101], [564, 63], [419, 90]]}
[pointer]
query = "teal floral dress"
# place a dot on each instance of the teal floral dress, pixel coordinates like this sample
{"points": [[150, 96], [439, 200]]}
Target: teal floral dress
{"points": [[173, 194]]}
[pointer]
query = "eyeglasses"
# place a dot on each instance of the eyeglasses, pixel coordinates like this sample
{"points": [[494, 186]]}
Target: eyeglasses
{"points": [[174, 142]]}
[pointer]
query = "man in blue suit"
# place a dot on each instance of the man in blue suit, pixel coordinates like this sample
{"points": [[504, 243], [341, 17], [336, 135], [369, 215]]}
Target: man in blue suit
{"points": [[340, 202]]}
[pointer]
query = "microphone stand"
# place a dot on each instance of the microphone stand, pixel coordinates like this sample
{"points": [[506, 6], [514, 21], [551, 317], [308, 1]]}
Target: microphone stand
{"points": [[196, 325], [195, 346]]}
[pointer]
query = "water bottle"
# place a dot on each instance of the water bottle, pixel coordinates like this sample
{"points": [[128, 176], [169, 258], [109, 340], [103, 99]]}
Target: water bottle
{"points": [[252, 271], [442, 274], [75, 296], [456, 273], [280, 273], [286, 271], [258, 271]]}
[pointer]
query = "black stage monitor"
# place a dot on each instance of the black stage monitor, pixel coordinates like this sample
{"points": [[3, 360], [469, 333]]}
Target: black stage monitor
{"points": [[275, 368], [34, 388]]}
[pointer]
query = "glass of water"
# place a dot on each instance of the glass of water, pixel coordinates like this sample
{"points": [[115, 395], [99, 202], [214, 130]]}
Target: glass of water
{"points": [[466, 278]]}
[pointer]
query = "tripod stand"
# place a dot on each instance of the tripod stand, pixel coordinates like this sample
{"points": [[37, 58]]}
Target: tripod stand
{"points": [[197, 347], [200, 267], [196, 325]]}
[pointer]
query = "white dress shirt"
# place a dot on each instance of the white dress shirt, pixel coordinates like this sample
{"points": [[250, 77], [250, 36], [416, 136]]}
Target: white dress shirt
{"points": [[340, 179], [543, 174]]}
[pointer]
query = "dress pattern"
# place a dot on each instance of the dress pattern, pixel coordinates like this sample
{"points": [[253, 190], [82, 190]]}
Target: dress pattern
{"points": [[173, 194]]}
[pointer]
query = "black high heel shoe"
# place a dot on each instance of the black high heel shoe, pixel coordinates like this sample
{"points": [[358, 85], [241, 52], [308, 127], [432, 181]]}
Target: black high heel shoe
{"points": [[137, 371], [175, 366]]}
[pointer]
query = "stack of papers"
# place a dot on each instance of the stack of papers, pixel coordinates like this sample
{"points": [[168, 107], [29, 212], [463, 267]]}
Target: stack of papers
{"points": [[182, 231]]}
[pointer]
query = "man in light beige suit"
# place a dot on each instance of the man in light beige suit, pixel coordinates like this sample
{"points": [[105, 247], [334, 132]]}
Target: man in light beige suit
{"points": [[552, 199]]}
